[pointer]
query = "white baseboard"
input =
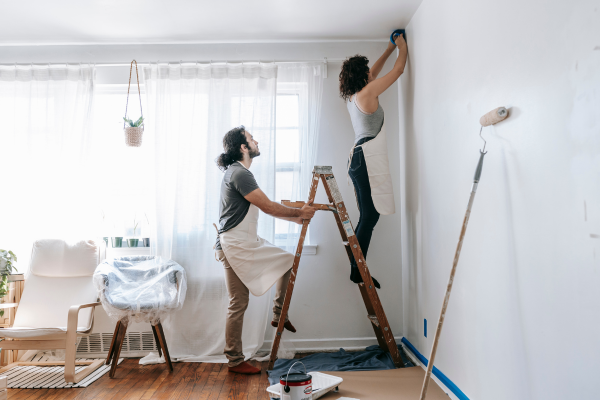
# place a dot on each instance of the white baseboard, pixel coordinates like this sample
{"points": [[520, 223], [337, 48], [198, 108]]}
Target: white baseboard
{"points": [[329, 344]]}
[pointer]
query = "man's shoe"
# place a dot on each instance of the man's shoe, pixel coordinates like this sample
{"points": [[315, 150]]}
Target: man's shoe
{"points": [[244, 368], [288, 325]]}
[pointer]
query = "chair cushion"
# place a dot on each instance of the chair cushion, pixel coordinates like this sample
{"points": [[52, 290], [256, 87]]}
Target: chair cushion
{"points": [[46, 301], [56, 258], [39, 333]]}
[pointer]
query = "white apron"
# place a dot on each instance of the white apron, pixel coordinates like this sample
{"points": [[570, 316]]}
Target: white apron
{"points": [[255, 261], [378, 169]]}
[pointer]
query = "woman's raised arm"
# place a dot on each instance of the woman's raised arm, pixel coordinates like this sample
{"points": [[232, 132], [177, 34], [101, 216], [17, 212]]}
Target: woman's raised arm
{"points": [[380, 85]]}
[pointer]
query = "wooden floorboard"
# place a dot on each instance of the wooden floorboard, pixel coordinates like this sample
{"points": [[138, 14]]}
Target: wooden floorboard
{"points": [[188, 381]]}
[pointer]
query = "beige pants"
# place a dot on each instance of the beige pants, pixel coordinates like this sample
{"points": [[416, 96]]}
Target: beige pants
{"points": [[238, 303]]}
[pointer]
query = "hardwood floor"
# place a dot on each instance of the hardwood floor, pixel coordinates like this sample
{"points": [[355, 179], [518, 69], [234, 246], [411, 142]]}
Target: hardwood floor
{"points": [[148, 382]]}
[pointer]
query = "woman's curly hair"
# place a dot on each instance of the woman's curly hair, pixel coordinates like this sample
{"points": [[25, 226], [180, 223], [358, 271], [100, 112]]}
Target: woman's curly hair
{"points": [[232, 143], [354, 76]]}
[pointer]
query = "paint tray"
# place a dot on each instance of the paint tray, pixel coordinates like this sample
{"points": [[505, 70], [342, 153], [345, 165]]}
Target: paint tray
{"points": [[321, 383]]}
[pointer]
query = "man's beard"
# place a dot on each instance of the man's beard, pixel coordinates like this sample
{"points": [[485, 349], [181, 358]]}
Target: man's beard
{"points": [[254, 153]]}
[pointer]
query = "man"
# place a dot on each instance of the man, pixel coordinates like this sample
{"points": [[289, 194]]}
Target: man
{"points": [[251, 263]]}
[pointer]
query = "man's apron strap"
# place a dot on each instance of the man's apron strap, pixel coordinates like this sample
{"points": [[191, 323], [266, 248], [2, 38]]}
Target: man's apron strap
{"points": [[215, 245]]}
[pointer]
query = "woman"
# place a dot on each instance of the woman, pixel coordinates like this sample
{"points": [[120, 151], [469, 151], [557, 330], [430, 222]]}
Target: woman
{"points": [[361, 88]]}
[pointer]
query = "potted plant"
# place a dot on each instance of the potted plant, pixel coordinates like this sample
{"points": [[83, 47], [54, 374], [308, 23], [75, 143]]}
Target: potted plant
{"points": [[7, 258], [117, 241], [134, 131], [103, 227], [133, 242], [145, 231]]}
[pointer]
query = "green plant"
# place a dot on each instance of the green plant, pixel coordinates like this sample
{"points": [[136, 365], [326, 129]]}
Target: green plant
{"points": [[7, 258], [134, 124], [135, 225]]}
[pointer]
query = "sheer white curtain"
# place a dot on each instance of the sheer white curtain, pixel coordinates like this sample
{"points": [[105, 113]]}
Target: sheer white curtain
{"points": [[47, 190], [191, 107], [306, 81]]}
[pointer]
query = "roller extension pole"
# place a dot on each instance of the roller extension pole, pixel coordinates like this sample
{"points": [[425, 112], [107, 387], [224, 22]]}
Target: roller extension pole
{"points": [[438, 330]]}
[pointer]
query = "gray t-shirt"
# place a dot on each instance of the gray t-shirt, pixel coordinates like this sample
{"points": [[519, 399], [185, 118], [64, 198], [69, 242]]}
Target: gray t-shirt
{"points": [[237, 183]]}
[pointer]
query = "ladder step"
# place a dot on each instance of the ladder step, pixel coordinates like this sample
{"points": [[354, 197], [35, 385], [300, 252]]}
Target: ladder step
{"points": [[374, 320]]}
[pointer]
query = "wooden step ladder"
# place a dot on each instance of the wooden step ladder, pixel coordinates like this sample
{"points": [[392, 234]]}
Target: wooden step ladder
{"points": [[375, 312]]}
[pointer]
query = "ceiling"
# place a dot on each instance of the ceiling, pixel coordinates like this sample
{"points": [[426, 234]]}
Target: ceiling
{"points": [[26, 22]]}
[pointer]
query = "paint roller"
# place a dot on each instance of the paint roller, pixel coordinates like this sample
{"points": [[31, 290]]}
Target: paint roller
{"points": [[494, 116], [491, 118]]}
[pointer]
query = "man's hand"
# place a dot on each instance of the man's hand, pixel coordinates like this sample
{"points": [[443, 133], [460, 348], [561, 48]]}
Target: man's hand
{"points": [[260, 200], [308, 211]]}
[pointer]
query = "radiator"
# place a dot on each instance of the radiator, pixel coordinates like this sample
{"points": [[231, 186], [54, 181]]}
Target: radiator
{"points": [[138, 342]]}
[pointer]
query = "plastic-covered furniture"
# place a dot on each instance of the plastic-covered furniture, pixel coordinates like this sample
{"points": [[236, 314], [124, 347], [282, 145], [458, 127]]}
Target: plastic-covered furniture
{"points": [[139, 289], [57, 305]]}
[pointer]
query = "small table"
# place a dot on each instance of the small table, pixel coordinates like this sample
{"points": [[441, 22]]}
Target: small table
{"points": [[10, 303]]}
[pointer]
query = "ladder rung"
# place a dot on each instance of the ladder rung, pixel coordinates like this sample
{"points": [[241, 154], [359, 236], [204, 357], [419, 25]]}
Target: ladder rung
{"points": [[374, 319]]}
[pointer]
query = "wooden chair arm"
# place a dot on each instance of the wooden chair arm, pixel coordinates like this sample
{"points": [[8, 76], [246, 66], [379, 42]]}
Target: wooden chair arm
{"points": [[74, 316], [71, 342], [72, 325]]}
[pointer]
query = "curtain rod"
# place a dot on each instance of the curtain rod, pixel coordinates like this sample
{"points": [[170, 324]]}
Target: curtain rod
{"points": [[324, 60]]}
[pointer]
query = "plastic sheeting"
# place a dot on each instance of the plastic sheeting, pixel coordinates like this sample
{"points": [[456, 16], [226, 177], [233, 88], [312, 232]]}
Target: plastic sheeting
{"points": [[140, 288], [371, 359]]}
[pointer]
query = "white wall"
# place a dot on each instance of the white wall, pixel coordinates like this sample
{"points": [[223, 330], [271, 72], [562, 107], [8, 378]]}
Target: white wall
{"points": [[327, 308], [523, 318], [326, 304]]}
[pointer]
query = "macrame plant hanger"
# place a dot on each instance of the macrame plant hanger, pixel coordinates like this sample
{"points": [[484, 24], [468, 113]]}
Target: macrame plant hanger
{"points": [[133, 134]]}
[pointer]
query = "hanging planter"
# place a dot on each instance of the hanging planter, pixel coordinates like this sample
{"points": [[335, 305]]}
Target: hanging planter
{"points": [[133, 130]]}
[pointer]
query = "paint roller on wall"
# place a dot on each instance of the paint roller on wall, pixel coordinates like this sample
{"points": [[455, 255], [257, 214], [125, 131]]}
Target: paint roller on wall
{"points": [[491, 118]]}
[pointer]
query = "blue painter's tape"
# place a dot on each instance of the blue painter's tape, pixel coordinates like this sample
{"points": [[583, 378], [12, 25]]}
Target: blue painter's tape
{"points": [[443, 378], [396, 33], [425, 327]]}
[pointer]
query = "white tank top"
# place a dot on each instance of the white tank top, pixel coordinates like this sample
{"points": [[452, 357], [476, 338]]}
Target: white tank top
{"points": [[365, 125]]}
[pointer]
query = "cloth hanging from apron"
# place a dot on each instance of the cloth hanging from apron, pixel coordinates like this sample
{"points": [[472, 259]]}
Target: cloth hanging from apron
{"points": [[257, 263], [378, 169]]}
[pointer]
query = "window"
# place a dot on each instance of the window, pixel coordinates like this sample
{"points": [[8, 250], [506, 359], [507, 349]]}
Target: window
{"points": [[124, 195], [287, 157], [127, 198]]}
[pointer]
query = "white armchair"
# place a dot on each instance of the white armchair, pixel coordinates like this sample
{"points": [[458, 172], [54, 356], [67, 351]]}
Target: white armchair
{"points": [[57, 305]]}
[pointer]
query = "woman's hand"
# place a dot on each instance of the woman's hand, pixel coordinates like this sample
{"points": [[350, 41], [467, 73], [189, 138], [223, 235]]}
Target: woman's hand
{"points": [[391, 47], [400, 42]]}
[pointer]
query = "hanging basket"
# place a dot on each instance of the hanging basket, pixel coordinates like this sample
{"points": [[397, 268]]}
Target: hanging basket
{"points": [[133, 134]]}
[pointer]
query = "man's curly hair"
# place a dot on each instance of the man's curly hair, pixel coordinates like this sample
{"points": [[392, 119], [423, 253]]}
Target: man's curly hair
{"points": [[232, 143], [354, 76]]}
